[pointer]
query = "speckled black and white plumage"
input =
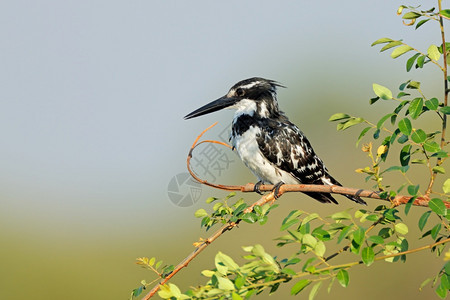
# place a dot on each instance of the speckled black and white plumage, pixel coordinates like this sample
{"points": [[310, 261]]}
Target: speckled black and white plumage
{"points": [[272, 147]]}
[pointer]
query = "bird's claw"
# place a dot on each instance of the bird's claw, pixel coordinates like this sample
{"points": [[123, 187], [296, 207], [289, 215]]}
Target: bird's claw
{"points": [[257, 186], [276, 189]]}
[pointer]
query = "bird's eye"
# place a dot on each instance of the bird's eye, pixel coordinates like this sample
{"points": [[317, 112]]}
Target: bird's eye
{"points": [[240, 92]]}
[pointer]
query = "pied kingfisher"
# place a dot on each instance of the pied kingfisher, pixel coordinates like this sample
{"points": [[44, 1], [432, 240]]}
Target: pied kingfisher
{"points": [[273, 148]]}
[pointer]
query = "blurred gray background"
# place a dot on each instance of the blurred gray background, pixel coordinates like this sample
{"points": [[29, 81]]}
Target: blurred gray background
{"points": [[92, 136]]}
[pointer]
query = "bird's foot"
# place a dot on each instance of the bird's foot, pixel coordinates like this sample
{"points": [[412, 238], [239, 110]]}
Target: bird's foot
{"points": [[257, 186], [276, 189]]}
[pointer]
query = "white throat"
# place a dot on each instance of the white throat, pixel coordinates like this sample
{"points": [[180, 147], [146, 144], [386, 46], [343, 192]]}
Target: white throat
{"points": [[249, 107], [244, 107]]}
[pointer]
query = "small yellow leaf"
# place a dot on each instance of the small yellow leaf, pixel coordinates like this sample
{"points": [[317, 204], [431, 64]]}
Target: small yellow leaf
{"points": [[381, 150]]}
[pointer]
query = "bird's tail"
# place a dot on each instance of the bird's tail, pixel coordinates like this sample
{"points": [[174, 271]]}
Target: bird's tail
{"points": [[333, 181]]}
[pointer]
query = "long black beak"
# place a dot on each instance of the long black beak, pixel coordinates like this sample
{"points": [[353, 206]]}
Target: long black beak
{"points": [[212, 107]]}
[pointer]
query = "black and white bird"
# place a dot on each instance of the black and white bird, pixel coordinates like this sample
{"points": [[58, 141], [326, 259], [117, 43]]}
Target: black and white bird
{"points": [[272, 147]]}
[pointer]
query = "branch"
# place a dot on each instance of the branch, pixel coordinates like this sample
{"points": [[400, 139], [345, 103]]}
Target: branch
{"points": [[334, 189]]}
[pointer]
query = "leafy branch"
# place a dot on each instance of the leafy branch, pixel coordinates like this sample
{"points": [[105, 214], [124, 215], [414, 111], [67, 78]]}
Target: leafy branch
{"points": [[309, 234]]}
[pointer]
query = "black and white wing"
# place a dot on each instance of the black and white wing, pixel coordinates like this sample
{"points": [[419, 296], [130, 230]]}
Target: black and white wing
{"points": [[285, 146]]}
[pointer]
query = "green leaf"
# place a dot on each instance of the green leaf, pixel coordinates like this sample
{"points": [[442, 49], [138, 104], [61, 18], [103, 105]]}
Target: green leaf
{"points": [[289, 224], [299, 286], [382, 92], [439, 169], [350, 123], [363, 133], [422, 22], [405, 126], [208, 273], [411, 15], [413, 84], [402, 94], [411, 61], [309, 240], [441, 291], [440, 154], [400, 51], [338, 116], [445, 13], [421, 61], [435, 230], [445, 281], [321, 234], [376, 239], [227, 261], [393, 168], [425, 282], [446, 186], [249, 218], [200, 213], [419, 136], [445, 110], [432, 104], [405, 155], [225, 284], [169, 290], [235, 296], [431, 147], [211, 199], [320, 249], [344, 233], [138, 291], [373, 100], [295, 234], [438, 206], [413, 189], [433, 52], [314, 290], [419, 161], [390, 45], [423, 219], [368, 256], [376, 134], [152, 260], [309, 218], [358, 235], [381, 41], [158, 264], [383, 119], [342, 277], [415, 108], [288, 271], [403, 85], [401, 228], [409, 204]]}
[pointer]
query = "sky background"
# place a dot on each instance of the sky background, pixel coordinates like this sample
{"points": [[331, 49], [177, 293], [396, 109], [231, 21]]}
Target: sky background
{"points": [[93, 95]]}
